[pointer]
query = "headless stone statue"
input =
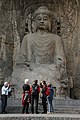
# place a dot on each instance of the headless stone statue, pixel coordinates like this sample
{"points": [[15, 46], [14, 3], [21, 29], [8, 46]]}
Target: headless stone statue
{"points": [[42, 51]]}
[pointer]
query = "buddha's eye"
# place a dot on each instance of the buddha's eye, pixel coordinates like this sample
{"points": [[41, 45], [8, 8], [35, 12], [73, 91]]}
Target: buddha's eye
{"points": [[38, 18], [45, 18]]}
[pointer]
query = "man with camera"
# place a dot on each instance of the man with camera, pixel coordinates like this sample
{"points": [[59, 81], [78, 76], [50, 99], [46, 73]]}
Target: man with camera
{"points": [[4, 95]]}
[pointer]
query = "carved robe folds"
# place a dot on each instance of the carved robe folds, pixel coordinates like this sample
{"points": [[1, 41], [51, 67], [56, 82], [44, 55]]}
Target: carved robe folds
{"points": [[42, 48]]}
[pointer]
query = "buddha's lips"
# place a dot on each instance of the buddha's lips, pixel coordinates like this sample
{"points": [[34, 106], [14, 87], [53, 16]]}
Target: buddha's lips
{"points": [[41, 24]]}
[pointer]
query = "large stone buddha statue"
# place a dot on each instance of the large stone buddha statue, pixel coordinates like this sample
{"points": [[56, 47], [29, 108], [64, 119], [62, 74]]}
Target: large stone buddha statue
{"points": [[42, 47], [42, 51]]}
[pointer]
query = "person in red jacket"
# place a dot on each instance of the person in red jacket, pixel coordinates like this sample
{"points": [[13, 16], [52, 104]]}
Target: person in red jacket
{"points": [[35, 89]]}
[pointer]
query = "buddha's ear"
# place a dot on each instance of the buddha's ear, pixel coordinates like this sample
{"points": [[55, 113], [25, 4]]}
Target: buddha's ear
{"points": [[33, 26], [50, 26], [50, 22], [30, 21]]}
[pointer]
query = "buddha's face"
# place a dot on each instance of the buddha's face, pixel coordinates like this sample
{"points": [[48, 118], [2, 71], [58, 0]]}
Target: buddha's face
{"points": [[42, 22]]}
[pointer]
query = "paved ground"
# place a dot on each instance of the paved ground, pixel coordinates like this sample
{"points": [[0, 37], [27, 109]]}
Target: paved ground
{"points": [[41, 115]]}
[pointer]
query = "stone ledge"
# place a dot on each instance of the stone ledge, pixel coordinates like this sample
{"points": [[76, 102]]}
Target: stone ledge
{"points": [[39, 117], [57, 102], [61, 106], [18, 110]]}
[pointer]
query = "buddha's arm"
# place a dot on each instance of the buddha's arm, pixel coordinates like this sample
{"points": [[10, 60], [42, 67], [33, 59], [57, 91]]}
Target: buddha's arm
{"points": [[59, 53], [24, 48]]}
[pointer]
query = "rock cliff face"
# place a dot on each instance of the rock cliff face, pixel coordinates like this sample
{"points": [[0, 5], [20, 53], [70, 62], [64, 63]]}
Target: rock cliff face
{"points": [[14, 25]]}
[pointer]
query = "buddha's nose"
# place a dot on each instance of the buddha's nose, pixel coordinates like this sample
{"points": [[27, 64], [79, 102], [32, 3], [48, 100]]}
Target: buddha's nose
{"points": [[42, 21]]}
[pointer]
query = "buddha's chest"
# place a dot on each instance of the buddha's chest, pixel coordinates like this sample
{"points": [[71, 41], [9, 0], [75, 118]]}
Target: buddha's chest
{"points": [[42, 49]]}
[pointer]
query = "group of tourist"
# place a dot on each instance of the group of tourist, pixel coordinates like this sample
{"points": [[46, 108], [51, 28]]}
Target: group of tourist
{"points": [[31, 94]]}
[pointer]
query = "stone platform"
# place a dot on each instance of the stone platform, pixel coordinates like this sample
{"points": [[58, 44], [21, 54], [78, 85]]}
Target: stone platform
{"points": [[66, 106], [58, 102], [39, 117], [18, 110]]}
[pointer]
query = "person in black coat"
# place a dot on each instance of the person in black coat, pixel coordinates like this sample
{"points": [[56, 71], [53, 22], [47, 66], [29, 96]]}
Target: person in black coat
{"points": [[44, 93], [35, 89]]}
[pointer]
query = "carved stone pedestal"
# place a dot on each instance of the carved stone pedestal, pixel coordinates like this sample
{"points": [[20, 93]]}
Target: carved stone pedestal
{"points": [[46, 72]]}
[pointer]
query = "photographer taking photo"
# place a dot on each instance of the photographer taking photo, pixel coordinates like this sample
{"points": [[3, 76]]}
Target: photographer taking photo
{"points": [[4, 95]]}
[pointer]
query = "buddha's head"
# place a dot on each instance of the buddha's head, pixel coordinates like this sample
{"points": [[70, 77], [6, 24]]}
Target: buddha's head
{"points": [[43, 18]]}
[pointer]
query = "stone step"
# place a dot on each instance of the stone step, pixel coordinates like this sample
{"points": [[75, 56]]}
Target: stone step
{"points": [[67, 106], [58, 103], [18, 109]]}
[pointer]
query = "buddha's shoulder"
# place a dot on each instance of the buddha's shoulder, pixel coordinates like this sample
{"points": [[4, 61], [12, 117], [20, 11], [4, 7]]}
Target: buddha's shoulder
{"points": [[55, 36], [26, 36], [29, 35]]}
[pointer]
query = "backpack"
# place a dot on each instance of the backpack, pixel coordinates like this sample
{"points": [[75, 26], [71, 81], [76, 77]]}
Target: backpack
{"points": [[35, 90], [51, 93]]}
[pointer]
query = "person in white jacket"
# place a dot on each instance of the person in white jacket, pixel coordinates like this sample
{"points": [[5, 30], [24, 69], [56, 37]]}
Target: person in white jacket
{"points": [[4, 93]]}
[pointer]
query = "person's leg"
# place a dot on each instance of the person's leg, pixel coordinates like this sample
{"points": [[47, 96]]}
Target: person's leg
{"points": [[36, 104], [27, 106], [44, 105], [23, 109], [50, 101], [2, 100], [52, 109], [4, 103], [32, 104], [48, 105]]}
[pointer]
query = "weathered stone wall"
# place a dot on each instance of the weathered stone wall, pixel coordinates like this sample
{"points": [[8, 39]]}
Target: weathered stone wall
{"points": [[13, 15], [6, 38]]}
